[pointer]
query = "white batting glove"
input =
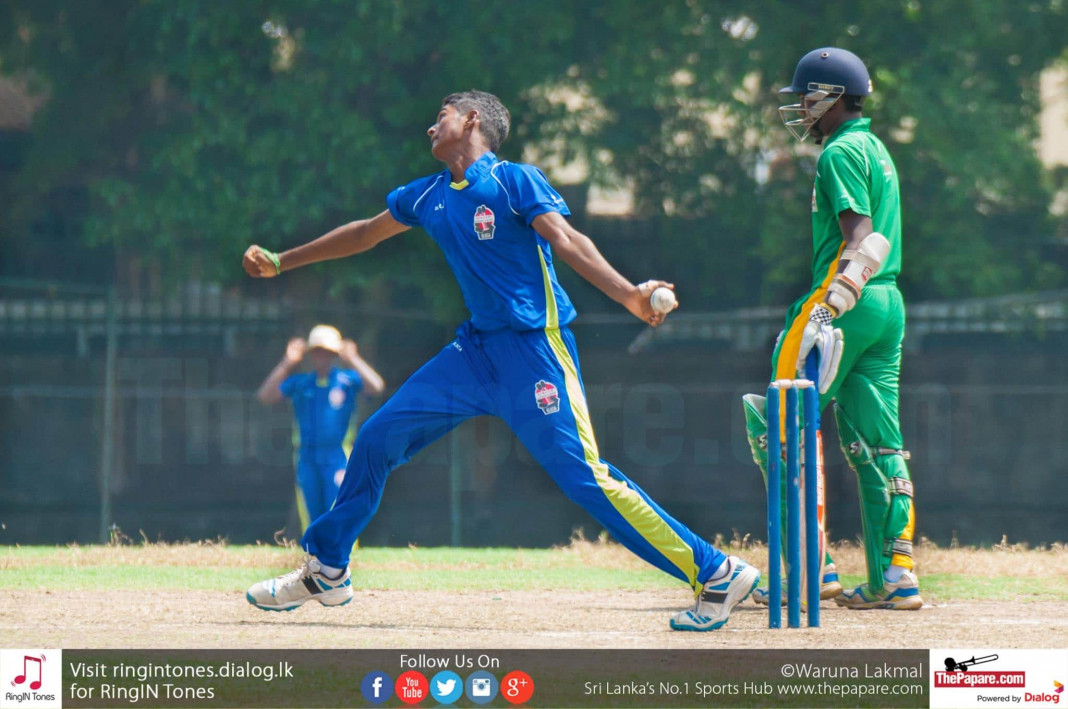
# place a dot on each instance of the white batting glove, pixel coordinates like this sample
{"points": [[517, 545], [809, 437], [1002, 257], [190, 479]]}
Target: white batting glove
{"points": [[827, 340]]}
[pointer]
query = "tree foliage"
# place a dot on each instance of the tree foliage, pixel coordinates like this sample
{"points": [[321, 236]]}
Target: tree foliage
{"points": [[191, 129]]}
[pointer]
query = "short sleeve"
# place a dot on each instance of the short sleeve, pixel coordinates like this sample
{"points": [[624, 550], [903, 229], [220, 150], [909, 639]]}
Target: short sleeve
{"points": [[530, 194], [288, 387], [405, 201], [842, 178]]}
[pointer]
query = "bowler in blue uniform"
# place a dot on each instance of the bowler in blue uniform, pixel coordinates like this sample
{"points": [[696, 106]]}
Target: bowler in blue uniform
{"points": [[500, 225], [324, 407]]}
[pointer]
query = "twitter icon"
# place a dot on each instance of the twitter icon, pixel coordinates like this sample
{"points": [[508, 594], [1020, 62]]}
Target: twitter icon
{"points": [[446, 687]]}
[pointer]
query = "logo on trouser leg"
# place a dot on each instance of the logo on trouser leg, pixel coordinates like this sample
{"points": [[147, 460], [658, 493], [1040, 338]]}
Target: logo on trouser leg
{"points": [[547, 397]]}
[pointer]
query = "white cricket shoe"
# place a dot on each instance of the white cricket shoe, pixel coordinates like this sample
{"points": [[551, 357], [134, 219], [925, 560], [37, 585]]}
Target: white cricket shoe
{"points": [[306, 583], [901, 596], [830, 588], [717, 598]]}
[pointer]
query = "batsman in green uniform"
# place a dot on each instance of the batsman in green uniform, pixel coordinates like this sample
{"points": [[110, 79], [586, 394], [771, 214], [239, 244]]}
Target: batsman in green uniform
{"points": [[855, 317]]}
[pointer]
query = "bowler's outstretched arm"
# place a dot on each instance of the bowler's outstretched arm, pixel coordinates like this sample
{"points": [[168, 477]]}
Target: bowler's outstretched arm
{"points": [[346, 240]]}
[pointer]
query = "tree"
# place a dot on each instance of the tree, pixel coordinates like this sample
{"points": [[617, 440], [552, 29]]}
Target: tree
{"points": [[192, 129]]}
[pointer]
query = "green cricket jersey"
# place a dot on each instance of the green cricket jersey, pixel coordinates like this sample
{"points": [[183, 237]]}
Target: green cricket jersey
{"points": [[855, 172]]}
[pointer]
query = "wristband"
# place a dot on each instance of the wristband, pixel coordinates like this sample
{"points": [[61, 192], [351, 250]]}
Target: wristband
{"points": [[273, 258], [822, 314]]}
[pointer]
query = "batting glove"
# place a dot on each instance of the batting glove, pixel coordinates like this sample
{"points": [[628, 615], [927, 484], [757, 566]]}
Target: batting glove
{"points": [[827, 340]]}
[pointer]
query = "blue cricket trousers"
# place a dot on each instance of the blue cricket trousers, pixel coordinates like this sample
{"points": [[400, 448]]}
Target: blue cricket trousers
{"points": [[316, 483], [531, 380]]}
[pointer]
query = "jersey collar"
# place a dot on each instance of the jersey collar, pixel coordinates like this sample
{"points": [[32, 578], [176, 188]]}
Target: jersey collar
{"points": [[853, 126], [478, 169], [329, 379]]}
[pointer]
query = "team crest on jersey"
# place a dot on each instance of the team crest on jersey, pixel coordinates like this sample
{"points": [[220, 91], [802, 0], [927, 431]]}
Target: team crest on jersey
{"points": [[547, 397], [484, 223], [337, 397]]}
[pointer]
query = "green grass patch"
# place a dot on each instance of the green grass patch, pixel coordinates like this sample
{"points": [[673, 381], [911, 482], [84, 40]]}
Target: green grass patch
{"points": [[235, 568], [975, 588], [1037, 575], [139, 578], [509, 579]]}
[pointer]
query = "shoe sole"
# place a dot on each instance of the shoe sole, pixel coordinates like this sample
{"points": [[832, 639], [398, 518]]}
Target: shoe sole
{"points": [[717, 626], [830, 590], [912, 603], [827, 592], [295, 605]]}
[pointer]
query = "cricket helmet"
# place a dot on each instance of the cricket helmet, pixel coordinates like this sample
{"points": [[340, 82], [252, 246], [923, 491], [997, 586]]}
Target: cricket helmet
{"points": [[821, 78]]}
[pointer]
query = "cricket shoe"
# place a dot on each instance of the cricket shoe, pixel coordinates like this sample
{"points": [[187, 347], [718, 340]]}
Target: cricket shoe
{"points": [[904, 595], [830, 588], [717, 598], [299, 586]]}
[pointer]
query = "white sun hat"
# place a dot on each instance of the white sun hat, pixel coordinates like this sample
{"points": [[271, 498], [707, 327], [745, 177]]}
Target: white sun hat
{"points": [[325, 336]]}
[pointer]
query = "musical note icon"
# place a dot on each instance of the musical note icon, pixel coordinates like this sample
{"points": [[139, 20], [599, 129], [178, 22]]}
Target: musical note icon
{"points": [[36, 684]]}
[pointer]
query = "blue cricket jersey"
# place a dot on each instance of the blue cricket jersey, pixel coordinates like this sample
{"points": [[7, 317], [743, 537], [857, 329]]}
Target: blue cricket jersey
{"points": [[514, 360], [504, 267], [323, 409]]}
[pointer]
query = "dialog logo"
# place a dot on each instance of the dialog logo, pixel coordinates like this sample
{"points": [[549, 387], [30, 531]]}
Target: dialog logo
{"points": [[377, 687], [996, 677]]}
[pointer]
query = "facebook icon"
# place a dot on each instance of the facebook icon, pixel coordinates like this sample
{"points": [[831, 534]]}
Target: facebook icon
{"points": [[377, 687]]}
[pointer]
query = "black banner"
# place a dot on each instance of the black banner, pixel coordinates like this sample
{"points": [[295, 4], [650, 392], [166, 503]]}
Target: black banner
{"points": [[495, 678]]}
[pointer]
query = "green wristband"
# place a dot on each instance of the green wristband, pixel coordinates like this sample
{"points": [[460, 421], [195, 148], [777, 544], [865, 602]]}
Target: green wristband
{"points": [[273, 258]]}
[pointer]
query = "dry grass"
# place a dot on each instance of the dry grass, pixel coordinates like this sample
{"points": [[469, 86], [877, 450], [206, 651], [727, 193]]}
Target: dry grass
{"points": [[1018, 559], [1003, 559]]}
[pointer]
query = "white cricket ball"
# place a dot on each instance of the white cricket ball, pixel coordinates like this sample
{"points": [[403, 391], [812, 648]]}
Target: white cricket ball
{"points": [[662, 300]]}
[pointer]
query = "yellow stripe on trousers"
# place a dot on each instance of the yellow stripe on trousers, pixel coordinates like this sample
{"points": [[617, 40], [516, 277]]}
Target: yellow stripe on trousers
{"points": [[302, 511], [627, 502], [786, 365]]}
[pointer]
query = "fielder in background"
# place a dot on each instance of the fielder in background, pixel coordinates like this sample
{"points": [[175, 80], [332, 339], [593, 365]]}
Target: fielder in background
{"points": [[499, 225], [854, 315], [324, 406]]}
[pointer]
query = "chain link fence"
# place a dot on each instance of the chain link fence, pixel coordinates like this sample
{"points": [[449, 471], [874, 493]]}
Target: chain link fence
{"points": [[139, 415]]}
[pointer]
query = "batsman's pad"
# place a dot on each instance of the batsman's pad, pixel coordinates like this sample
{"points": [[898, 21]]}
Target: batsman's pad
{"points": [[756, 430], [885, 500]]}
